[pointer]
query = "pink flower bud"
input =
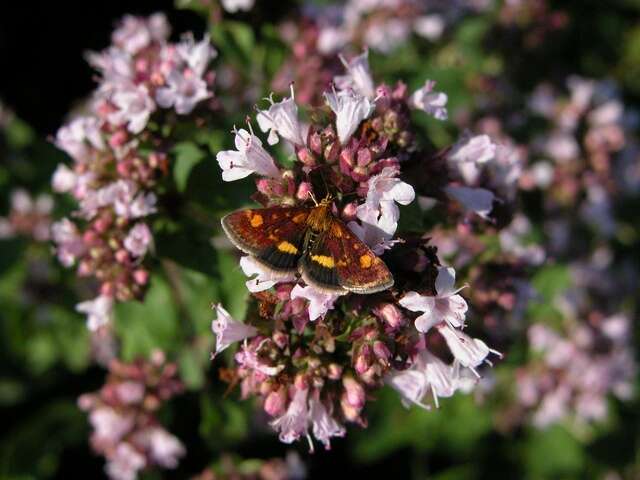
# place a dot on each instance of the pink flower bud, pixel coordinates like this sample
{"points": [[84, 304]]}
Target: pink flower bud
{"points": [[90, 237], [118, 139], [124, 168], [355, 394], [301, 382], [85, 269], [390, 314], [141, 276], [122, 256], [349, 211], [335, 371], [280, 338], [363, 359], [306, 157], [264, 186], [102, 224], [107, 289], [276, 402], [350, 413], [303, 191], [315, 143], [364, 157], [381, 351]]}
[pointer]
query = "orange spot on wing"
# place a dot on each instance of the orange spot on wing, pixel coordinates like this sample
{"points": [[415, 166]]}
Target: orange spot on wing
{"points": [[256, 220], [299, 218], [366, 261]]}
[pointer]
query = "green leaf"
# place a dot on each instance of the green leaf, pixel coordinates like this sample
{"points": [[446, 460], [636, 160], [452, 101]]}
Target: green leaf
{"points": [[145, 326], [553, 453], [188, 155]]}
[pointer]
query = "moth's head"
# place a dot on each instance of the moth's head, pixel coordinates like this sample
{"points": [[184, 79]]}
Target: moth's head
{"points": [[326, 201]]}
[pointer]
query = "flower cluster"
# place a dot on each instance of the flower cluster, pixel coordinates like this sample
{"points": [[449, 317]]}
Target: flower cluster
{"points": [[123, 414], [312, 356], [118, 159], [575, 369], [384, 25], [229, 467], [28, 216]]}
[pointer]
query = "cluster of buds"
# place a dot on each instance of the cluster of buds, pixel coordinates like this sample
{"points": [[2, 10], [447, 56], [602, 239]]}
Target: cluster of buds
{"points": [[123, 414], [575, 369], [28, 216], [314, 356], [118, 160]]}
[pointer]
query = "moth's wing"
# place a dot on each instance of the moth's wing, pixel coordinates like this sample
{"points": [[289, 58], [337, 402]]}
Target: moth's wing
{"points": [[274, 235], [318, 267], [358, 269]]}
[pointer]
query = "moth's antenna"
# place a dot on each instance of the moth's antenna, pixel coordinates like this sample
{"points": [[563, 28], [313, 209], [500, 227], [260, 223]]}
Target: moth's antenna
{"points": [[313, 197]]}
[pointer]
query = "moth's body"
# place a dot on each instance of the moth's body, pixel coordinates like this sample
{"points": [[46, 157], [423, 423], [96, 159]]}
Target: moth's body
{"points": [[311, 241]]}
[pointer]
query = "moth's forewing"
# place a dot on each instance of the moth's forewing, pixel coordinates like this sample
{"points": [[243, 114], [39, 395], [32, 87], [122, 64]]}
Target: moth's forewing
{"points": [[273, 235], [318, 267], [358, 269]]}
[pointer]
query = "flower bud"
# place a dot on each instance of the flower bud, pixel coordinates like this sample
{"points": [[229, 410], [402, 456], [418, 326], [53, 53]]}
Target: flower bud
{"points": [[276, 402], [390, 314], [306, 157], [354, 392], [334, 371], [303, 191]]}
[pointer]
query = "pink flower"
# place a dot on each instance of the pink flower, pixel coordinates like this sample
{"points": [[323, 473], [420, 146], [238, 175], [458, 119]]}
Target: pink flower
{"points": [[468, 352], [196, 55], [380, 209], [281, 119], [265, 278], [294, 423], [476, 200], [433, 103], [184, 91], [138, 240], [427, 374], [69, 244], [446, 306], [165, 449], [134, 106], [99, 311], [469, 153], [324, 425], [228, 331], [64, 179], [319, 302], [109, 426], [78, 137], [351, 109], [250, 158], [358, 76], [136, 33], [125, 463]]}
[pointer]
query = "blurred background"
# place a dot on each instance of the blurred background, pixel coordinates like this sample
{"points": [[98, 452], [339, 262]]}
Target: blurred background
{"points": [[511, 69]]}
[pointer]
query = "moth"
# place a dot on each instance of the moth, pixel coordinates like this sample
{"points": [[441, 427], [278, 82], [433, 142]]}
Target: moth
{"points": [[310, 241]]}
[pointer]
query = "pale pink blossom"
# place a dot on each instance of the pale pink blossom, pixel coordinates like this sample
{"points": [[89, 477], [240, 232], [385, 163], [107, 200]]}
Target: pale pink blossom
{"points": [[198, 55], [468, 352], [125, 463], [69, 243], [136, 33], [429, 101], [358, 76], [294, 423], [447, 306], [183, 91], [165, 449], [129, 392], [79, 137], [99, 311], [470, 153], [319, 302], [351, 109], [249, 358], [109, 426], [384, 191], [228, 331], [250, 158], [430, 27], [281, 119], [324, 425], [64, 179], [134, 106], [263, 278], [138, 239], [475, 200]]}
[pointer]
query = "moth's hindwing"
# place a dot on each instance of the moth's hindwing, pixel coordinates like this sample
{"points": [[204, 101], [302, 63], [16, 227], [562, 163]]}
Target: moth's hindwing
{"points": [[274, 235], [359, 270]]}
